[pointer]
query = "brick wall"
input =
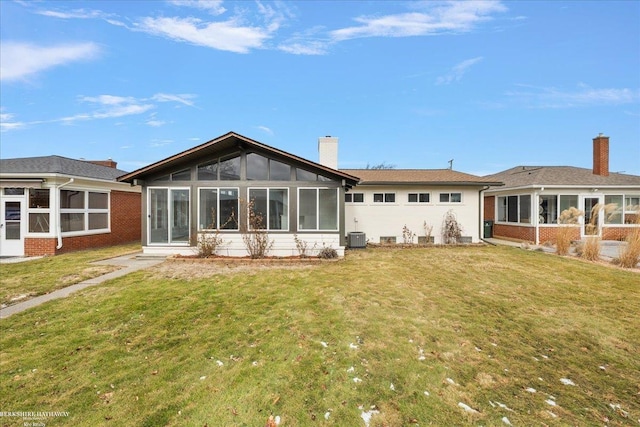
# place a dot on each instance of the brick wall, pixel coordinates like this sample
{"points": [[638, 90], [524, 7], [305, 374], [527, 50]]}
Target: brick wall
{"points": [[125, 228], [490, 208], [516, 232], [39, 246]]}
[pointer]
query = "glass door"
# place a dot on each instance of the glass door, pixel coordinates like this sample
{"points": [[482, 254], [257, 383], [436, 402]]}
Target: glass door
{"points": [[592, 218], [12, 228], [168, 216]]}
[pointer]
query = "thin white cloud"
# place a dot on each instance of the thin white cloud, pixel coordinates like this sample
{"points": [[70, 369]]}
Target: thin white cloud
{"points": [[458, 71], [214, 7], [583, 96], [160, 142], [305, 47], [73, 14], [154, 122], [21, 60], [185, 98], [437, 18], [8, 123], [266, 130], [227, 35]]}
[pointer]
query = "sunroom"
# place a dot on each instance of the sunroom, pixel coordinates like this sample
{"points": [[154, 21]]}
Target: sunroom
{"points": [[233, 186]]}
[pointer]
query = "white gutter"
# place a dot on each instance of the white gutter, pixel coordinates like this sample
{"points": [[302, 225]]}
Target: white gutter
{"points": [[59, 227]]}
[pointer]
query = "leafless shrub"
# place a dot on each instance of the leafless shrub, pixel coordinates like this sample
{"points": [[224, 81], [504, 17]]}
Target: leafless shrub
{"points": [[451, 229], [428, 230], [303, 246], [407, 235], [328, 252], [254, 233]]}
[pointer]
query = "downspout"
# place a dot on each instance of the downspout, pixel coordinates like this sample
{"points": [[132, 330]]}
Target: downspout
{"points": [[59, 226], [481, 212]]}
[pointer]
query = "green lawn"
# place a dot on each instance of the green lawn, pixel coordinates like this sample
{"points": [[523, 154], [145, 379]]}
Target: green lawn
{"points": [[19, 281], [415, 334]]}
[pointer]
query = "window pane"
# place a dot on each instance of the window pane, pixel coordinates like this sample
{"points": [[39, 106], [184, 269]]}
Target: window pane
{"points": [[180, 215], [279, 171], [98, 201], [378, 197], [183, 175], [208, 172], [208, 203], [424, 197], [328, 208], [548, 209], [502, 208], [358, 197], [613, 209], [303, 175], [456, 197], [228, 209], [258, 203], [278, 209], [307, 219], [230, 169], [444, 197], [512, 209], [257, 167], [72, 221], [324, 178], [71, 199], [38, 198], [567, 202], [38, 223], [13, 191], [348, 197], [98, 221], [389, 197], [525, 209], [413, 197], [158, 215]]}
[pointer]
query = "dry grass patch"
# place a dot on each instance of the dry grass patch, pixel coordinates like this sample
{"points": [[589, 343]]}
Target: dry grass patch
{"points": [[416, 335]]}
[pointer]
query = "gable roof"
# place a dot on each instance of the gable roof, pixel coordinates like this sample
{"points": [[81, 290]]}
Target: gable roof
{"points": [[418, 177], [58, 165], [534, 176], [228, 141]]}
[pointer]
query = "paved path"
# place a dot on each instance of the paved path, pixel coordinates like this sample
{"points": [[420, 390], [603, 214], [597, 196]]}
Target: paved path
{"points": [[129, 264]]}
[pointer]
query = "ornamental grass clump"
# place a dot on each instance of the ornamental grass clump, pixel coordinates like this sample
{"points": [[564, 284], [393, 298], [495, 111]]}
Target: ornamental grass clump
{"points": [[630, 255], [568, 219]]}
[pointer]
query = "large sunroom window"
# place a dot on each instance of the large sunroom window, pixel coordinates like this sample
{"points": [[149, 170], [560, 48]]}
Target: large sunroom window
{"points": [[218, 208], [84, 211], [318, 209], [271, 206]]}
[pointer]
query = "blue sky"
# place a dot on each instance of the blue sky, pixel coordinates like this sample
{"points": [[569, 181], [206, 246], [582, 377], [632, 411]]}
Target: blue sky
{"points": [[414, 84]]}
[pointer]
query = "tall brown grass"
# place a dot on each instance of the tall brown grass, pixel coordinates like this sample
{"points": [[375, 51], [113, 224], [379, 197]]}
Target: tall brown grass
{"points": [[630, 255], [568, 220]]}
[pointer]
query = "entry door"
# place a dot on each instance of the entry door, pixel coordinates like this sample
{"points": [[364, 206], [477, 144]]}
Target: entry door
{"points": [[12, 227], [592, 219], [168, 216]]}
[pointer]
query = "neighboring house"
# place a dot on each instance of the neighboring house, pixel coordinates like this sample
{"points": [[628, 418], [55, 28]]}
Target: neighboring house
{"points": [[394, 205], [54, 204], [528, 206], [208, 189]]}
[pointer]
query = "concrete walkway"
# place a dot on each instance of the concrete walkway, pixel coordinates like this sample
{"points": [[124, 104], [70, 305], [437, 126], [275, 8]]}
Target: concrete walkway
{"points": [[129, 264]]}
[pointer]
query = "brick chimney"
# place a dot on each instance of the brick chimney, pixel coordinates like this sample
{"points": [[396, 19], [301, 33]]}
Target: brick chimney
{"points": [[328, 151], [108, 163], [601, 155]]}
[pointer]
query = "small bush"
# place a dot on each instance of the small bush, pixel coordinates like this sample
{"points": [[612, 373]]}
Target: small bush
{"points": [[407, 235], [255, 236], [207, 244], [302, 246], [451, 229], [328, 253], [568, 219]]}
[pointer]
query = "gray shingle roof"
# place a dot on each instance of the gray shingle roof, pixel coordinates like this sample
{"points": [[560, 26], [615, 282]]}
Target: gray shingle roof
{"points": [[418, 176], [58, 165], [523, 176]]}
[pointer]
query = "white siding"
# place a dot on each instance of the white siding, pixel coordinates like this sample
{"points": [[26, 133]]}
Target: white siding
{"points": [[388, 219]]}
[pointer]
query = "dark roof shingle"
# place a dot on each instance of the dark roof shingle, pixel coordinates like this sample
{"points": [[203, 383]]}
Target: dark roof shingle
{"points": [[59, 165], [523, 176]]}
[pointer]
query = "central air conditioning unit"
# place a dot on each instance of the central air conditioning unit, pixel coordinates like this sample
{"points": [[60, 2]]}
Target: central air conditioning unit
{"points": [[357, 240]]}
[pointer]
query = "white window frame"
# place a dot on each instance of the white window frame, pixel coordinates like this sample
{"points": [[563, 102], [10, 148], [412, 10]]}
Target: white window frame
{"points": [[85, 212], [449, 194], [267, 219], [318, 229], [418, 198], [384, 197], [353, 197], [226, 230]]}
